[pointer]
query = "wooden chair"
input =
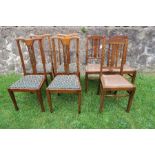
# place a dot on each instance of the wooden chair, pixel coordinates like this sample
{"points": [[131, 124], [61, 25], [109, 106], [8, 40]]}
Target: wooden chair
{"points": [[65, 82], [93, 60], [115, 82], [94, 44], [48, 55], [29, 83], [72, 50]]}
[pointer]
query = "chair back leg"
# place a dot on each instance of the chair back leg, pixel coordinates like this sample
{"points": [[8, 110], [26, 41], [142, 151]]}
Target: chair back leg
{"points": [[11, 93]]}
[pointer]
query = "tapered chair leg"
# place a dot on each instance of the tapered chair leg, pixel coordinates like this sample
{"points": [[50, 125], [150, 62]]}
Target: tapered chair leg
{"points": [[86, 82], [79, 103], [39, 95], [99, 86], [130, 100], [49, 100], [102, 95], [133, 77], [46, 81], [13, 99]]}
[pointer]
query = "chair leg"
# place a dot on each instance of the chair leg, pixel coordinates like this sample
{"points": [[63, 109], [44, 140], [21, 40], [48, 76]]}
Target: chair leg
{"points": [[79, 103], [133, 77], [13, 99], [46, 81], [99, 87], [86, 82], [40, 100], [130, 100], [49, 100], [102, 94]]}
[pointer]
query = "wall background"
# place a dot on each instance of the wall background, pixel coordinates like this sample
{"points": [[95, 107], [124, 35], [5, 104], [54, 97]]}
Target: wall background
{"points": [[141, 48]]}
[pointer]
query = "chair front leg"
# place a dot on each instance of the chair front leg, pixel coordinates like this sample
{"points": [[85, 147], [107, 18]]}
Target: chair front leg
{"points": [[86, 82], [131, 95], [79, 103], [13, 99], [46, 81], [39, 95], [102, 95], [99, 87], [49, 100], [133, 77]]}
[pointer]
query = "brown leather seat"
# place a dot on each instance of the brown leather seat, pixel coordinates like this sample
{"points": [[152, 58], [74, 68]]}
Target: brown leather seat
{"points": [[115, 82]]}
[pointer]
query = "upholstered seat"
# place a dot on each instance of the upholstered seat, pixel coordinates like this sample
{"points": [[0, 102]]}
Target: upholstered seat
{"points": [[115, 81], [72, 68], [65, 82], [28, 82]]}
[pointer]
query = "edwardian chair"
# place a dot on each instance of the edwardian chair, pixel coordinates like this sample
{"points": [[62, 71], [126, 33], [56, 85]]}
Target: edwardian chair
{"points": [[94, 46], [72, 50], [29, 83], [65, 82], [47, 56], [115, 82], [93, 57]]}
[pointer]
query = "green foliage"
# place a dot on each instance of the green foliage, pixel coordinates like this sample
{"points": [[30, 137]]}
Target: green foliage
{"points": [[83, 30], [65, 115]]}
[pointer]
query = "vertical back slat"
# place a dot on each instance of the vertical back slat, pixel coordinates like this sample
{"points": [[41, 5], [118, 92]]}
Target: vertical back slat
{"points": [[29, 44], [21, 55]]}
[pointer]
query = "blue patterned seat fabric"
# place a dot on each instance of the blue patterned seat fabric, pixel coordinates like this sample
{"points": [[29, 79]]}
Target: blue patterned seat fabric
{"points": [[72, 68], [65, 82], [28, 82]]}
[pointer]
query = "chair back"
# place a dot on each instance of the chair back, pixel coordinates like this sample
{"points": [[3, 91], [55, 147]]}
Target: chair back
{"points": [[28, 45], [61, 45], [116, 53], [47, 49], [119, 38], [94, 45]]}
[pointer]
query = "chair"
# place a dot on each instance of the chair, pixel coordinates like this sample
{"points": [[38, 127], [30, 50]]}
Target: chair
{"points": [[48, 55], [93, 46], [72, 50], [115, 82], [29, 83], [65, 82]]}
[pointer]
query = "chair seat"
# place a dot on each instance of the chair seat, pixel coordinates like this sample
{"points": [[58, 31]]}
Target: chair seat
{"points": [[115, 81], [95, 68], [28, 82], [72, 68], [65, 82]]}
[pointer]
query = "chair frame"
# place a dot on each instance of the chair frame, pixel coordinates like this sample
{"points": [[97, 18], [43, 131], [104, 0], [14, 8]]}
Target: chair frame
{"points": [[29, 43], [65, 41], [103, 89], [131, 73]]}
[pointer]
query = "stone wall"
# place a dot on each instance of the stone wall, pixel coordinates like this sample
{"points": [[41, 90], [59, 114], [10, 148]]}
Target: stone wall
{"points": [[141, 48]]}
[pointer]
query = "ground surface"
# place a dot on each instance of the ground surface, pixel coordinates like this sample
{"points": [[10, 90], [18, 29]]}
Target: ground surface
{"points": [[142, 114]]}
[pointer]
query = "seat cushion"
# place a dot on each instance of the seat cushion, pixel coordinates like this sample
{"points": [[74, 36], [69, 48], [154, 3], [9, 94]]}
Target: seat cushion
{"points": [[72, 68], [115, 81], [65, 82], [28, 82], [95, 68]]}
